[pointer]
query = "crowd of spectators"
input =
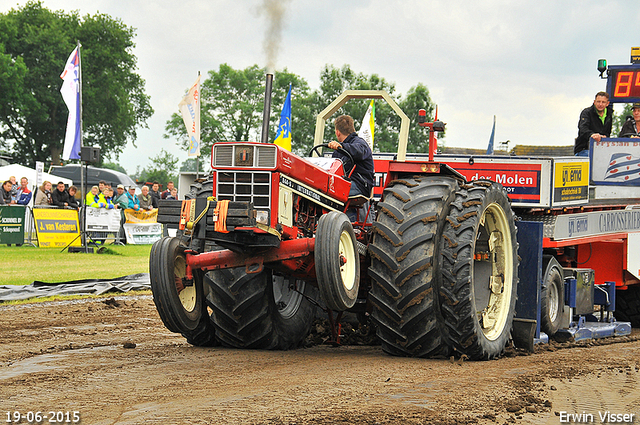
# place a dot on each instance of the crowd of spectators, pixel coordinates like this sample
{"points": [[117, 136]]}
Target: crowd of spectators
{"points": [[101, 196]]}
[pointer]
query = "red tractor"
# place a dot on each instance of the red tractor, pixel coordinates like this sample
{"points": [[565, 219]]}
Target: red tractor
{"points": [[266, 240]]}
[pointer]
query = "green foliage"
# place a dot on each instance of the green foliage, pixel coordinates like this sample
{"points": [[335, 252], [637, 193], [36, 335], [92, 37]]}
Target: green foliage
{"points": [[38, 42], [619, 119], [162, 169], [114, 166], [232, 106]]}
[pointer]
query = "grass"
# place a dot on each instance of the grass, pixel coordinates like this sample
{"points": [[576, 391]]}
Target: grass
{"points": [[25, 264]]}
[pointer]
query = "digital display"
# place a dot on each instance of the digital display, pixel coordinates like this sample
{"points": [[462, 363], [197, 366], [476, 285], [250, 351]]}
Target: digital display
{"points": [[623, 84]]}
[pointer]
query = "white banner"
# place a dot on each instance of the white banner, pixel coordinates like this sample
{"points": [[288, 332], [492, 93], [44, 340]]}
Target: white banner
{"points": [[102, 220], [142, 233], [190, 109]]}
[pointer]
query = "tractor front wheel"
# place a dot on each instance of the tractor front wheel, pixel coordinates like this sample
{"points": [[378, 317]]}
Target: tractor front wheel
{"points": [[337, 261], [179, 301]]}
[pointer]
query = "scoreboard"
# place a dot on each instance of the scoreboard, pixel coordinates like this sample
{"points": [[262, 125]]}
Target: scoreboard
{"points": [[623, 83]]}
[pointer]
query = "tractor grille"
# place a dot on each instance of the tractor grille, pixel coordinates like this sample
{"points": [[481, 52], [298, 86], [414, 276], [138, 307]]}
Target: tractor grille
{"points": [[245, 187], [257, 156]]}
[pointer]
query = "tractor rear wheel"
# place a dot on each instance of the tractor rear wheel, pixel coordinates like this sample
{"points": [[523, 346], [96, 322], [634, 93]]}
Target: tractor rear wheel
{"points": [[628, 305], [260, 310], [337, 261], [404, 265], [180, 302], [479, 264], [551, 296]]}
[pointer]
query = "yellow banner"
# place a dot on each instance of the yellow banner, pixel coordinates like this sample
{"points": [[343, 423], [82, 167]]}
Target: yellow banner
{"points": [[571, 174], [141, 216], [56, 227]]}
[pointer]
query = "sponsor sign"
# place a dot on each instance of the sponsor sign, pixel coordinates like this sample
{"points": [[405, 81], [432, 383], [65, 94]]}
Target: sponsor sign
{"points": [[570, 182], [615, 162], [527, 181], [12, 224], [141, 227], [596, 223], [102, 220], [56, 227], [141, 216], [142, 233]]}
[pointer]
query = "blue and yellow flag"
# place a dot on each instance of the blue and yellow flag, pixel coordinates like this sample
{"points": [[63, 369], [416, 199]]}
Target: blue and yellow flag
{"points": [[283, 135]]}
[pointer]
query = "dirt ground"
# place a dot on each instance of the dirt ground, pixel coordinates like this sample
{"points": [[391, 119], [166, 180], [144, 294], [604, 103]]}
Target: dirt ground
{"points": [[113, 362]]}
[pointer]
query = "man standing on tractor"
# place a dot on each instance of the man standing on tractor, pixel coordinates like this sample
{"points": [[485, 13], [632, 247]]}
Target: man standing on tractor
{"points": [[595, 123], [348, 139]]}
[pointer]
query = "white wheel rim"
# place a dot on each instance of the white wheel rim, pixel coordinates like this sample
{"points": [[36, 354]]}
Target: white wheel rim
{"points": [[494, 316], [553, 302], [187, 294], [348, 269]]}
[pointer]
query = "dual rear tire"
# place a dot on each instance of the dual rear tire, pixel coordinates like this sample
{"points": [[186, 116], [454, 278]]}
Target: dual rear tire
{"points": [[444, 268]]}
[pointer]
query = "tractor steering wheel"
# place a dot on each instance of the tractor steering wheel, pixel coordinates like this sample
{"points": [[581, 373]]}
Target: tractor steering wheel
{"points": [[326, 145]]}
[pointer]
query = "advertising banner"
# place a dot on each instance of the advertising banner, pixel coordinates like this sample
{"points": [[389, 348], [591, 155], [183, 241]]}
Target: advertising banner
{"points": [[12, 224], [102, 220], [615, 162], [142, 227], [56, 227], [570, 181]]}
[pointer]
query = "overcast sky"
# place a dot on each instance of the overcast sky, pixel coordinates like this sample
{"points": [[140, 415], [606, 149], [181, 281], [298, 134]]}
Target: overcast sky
{"points": [[532, 64]]}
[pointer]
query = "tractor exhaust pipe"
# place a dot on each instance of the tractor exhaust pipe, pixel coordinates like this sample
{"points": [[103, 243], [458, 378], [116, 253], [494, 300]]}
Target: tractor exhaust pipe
{"points": [[267, 109]]}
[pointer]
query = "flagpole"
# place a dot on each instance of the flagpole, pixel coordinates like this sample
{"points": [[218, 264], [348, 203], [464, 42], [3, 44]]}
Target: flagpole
{"points": [[83, 186], [199, 101]]}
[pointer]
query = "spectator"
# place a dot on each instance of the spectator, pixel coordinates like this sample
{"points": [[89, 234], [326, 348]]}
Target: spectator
{"points": [[73, 202], [60, 196], [173, 195], [155, 192], [43, 197], [5, 194], [121, 201], [108, 198], [168, 191], [595, 123], [146, 200], [101, 185], [24, 193], [631, 127], [95, 199], [14, 188], [134, 202]]}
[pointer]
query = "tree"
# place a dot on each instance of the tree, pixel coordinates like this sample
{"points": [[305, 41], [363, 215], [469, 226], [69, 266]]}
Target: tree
{"points": [[232, 105], [114, 101], [114, 166], [162, 169]]}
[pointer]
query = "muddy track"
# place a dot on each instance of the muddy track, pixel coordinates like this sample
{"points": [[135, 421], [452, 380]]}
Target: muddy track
{"points": [[115, 363]]}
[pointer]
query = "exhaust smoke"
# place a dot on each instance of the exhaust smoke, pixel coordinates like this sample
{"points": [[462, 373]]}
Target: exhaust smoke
{"points": [[274, 11]]}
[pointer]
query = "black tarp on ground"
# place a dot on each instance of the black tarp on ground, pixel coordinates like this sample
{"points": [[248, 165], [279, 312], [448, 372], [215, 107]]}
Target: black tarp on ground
{"points": [[134, 282]]}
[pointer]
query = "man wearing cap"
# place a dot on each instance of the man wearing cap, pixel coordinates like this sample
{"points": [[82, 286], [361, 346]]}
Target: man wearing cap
{"points": [[134, 202], [631, 127], [595, 123], [121, 200]]}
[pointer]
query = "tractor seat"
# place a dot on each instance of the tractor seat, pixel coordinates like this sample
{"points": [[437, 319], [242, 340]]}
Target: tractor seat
{"points": [[358, 200]]}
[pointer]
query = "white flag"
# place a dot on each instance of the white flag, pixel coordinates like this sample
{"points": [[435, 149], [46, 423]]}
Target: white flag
{"points": [[70, 91], [190, 109], [367, 127]]}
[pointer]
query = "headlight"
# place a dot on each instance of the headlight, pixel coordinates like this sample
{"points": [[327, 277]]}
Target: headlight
{"points": [[262, 217]]}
